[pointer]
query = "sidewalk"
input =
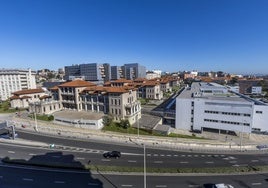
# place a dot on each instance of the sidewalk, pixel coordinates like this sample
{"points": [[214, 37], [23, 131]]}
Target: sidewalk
{"points": [[150, 141]]}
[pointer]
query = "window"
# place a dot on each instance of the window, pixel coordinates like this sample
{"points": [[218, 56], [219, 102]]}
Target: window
{"points": [[259, 112]]}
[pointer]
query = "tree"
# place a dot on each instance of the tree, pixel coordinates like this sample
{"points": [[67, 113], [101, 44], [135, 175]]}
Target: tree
{"points": [[124, 124], [107, 120]]}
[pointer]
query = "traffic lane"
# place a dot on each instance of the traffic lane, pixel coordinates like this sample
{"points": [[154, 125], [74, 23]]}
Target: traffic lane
{"points": [[160, 160], [25, 177], [255, 158], [92, 144], [184, 181], [18, 176]]}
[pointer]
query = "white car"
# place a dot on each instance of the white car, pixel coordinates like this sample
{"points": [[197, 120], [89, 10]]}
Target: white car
{"points": [[222, 185]]}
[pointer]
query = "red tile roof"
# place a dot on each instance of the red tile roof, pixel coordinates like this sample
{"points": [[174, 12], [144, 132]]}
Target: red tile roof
{"points": [[28, 91], [98, 89], [77, 83], [122, 80]]}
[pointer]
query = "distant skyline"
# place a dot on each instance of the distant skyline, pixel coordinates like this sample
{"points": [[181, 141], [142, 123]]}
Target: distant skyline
{"points": [[170, 35]]}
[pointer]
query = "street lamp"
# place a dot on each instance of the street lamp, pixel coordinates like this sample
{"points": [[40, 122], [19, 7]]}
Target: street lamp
{"points": [[138, 125], [144, 164], [35, 122], [241, 136]]}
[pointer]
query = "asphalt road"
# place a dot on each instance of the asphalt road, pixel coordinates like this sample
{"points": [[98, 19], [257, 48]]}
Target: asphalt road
{"points": [[83, 151], [25, 177]]}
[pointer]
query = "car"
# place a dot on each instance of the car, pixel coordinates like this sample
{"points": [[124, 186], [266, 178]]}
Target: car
{"points": [[222, 185], [260, 147], [112, 154]]}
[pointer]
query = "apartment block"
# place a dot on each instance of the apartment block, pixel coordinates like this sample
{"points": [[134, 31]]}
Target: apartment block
{"points": [[12, 80], [93, 72]]}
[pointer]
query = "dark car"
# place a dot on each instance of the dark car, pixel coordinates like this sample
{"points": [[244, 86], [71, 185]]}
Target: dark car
{"points": [[112, 154]]}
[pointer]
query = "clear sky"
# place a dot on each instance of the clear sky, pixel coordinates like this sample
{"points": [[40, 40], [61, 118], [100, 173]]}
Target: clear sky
{"points": [[171, 35]]}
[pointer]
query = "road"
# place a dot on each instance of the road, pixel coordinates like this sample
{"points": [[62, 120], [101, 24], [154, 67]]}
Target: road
{"points": [[25, 177], [131, 156]]}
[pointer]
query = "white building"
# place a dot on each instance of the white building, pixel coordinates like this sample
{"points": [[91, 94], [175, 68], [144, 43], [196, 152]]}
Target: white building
{"points": [[212, 106], [12, 80], [257, 90]]}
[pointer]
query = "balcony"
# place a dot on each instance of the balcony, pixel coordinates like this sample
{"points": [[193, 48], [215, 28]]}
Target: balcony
{"points": [[130, 105]]}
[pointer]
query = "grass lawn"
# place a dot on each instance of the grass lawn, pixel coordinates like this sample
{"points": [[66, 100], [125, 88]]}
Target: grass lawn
{"points": [[5, 108], [114, 127]]}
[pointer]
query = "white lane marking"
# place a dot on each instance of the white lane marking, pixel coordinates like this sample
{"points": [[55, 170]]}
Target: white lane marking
{"points": [[131, 161], [161, 186], [92, 184], [168, 155], [175, 155], [189, 155], [56, 156], [162, 155], [209, 162], [60, 182], [127, 185], [257, 183], [158, 162], [193, 185], [11, 151], [232, 161], [254, 161], [155, 155], [216, 155], [105, 159], [27, 179], [183, 155], [149, 155], [80, 158], [209, 155], [32, 154], [202, 155], [184, 162]]}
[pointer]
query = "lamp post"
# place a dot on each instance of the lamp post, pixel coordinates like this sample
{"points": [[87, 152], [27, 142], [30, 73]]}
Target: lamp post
{"points": [[35, 122], [241, 136], [144, 164], [138, 125]]}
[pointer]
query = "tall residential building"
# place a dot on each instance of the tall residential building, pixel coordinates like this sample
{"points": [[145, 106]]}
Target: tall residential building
{"points": [[107, 72], [12, 80], [133, 71], [93, 72], [116, 72]]}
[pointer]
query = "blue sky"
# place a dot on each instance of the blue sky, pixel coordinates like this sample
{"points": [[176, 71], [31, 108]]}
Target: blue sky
{"points": [[171, 35]]}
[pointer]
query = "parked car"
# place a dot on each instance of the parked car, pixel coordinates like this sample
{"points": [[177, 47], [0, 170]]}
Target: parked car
{"points": [[217, 185], [222, 185], [112, 154], [262, 146]]}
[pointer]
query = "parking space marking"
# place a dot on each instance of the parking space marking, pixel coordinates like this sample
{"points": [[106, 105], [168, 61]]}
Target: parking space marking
{"points": [[131, 161]]}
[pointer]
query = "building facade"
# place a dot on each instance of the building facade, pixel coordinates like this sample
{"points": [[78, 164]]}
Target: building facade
{"points": [[212, 106], [93, 72], [22, 98], [133, 70], [118, 100], [116, 72], [12, 80]]}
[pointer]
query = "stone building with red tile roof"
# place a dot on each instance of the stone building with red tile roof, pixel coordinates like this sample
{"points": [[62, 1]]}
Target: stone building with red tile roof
{"points": [[22, 98], [119, 100]]}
